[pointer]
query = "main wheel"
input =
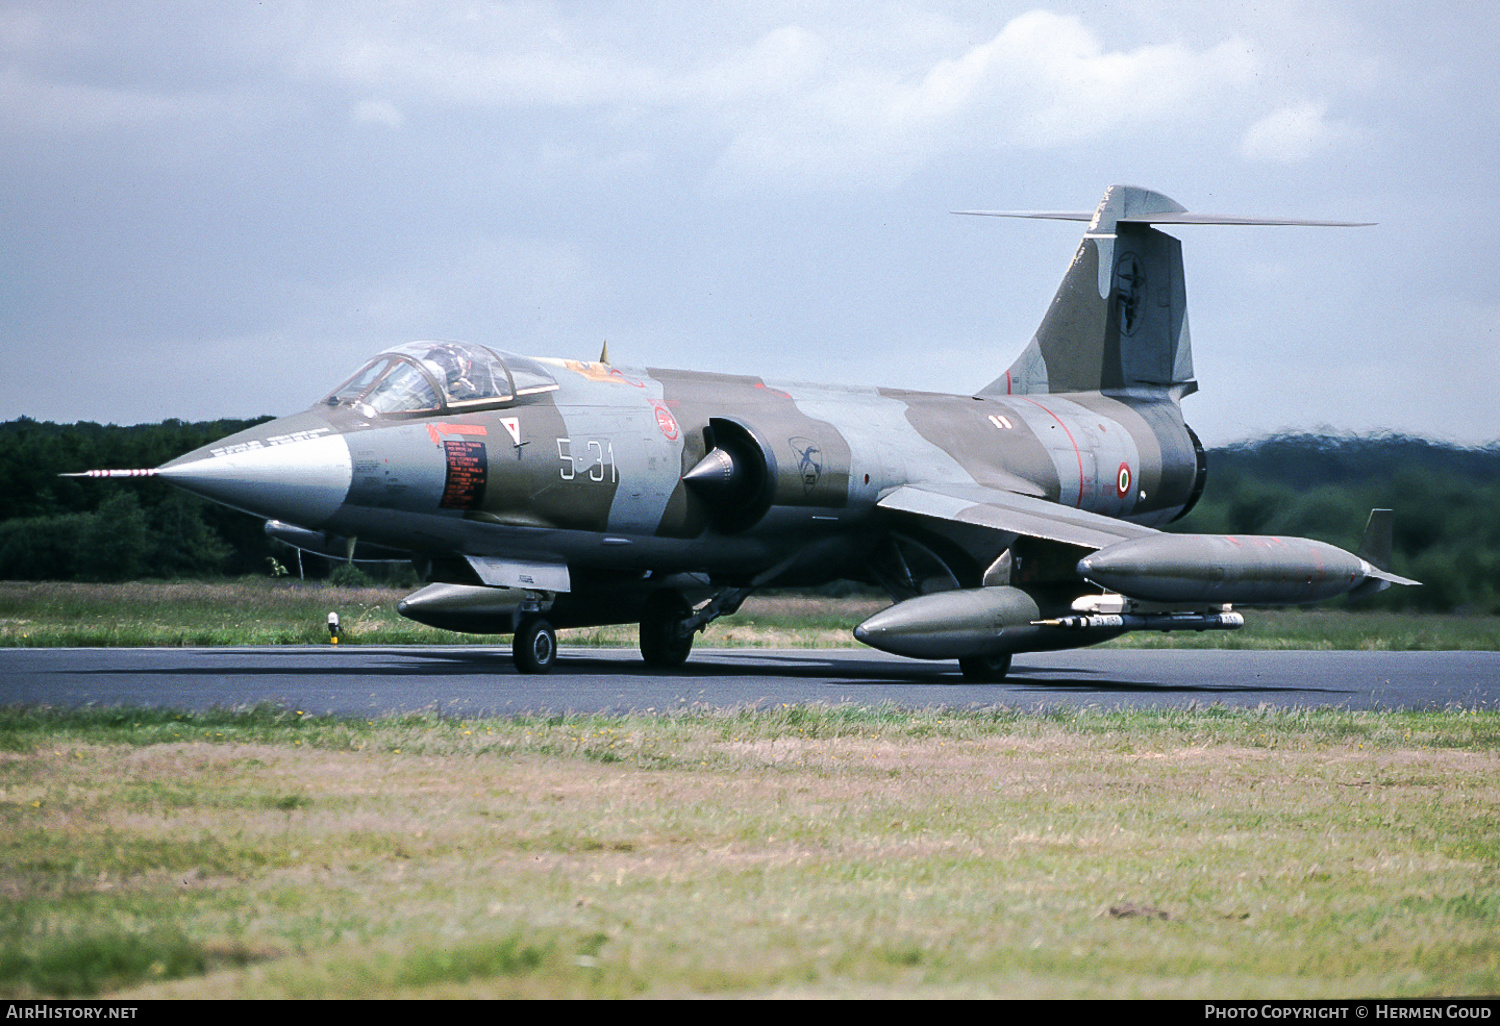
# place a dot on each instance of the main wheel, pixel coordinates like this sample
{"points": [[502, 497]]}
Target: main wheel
{"points": [[989, 669], [534, 646], [662, 646]]}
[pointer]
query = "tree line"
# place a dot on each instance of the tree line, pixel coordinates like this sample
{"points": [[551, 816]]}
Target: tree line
{"points": [[83, 529], [1446, 498]]}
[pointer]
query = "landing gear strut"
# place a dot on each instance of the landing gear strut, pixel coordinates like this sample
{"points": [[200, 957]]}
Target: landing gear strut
{"points": [[534, 645], [669, 622]]}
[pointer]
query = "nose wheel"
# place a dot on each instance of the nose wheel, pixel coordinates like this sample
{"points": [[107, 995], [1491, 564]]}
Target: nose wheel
{"points": [[534, 646]]}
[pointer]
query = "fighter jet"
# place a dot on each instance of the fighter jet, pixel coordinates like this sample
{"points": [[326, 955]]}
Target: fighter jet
{"points": [[535, 493]]}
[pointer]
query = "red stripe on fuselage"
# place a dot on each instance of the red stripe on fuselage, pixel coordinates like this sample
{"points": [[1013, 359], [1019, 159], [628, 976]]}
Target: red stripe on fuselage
{"points": [[1071, 440], [434, 430]]}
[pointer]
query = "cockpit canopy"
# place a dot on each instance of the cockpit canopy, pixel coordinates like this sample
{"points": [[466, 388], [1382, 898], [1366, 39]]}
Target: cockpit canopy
{"points": [[430, 377]]}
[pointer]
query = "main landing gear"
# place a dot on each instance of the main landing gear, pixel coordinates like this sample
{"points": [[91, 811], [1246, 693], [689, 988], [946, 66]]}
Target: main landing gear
{"points": [[666, 638], [669, 622], [989, 669]]}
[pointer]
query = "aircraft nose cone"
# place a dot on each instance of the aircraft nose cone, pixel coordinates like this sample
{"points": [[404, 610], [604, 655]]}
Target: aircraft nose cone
{"points": [[301, 477]]}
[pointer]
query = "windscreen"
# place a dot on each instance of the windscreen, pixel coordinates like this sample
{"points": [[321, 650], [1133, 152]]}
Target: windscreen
{"points": [[422, 377]]}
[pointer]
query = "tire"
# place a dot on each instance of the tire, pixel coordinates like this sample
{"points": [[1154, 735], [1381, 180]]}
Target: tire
{"points": [[989, 669], [534, 646], [661, 646]]}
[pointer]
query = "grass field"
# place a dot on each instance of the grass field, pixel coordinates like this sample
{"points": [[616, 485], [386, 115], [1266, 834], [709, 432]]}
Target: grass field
{"points": [[260, 611], [793, 852]]}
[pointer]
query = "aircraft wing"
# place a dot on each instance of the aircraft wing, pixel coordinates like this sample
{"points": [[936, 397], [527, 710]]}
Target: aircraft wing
{"points": [[1012, 513]]}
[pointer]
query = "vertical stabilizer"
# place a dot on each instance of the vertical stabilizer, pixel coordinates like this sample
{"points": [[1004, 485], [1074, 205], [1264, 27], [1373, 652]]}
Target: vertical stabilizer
{"points": [[1119, 320]]}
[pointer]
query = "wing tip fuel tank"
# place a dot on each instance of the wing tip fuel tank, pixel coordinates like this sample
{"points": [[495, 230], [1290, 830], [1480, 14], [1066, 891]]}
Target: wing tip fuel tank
{"points": [[1237, 569]]}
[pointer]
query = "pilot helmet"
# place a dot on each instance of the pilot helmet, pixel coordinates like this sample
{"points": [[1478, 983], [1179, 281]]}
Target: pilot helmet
{"points": [[456, 363]]}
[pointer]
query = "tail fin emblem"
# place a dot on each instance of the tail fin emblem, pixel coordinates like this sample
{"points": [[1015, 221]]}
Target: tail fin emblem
{"points": [[1130, 285]]}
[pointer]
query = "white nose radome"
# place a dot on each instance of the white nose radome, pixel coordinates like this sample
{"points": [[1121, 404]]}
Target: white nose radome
{"points": [[304, 481]]}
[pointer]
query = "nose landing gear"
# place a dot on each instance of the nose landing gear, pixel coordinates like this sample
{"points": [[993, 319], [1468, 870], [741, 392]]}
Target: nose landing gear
{"points": [[534, 646]]}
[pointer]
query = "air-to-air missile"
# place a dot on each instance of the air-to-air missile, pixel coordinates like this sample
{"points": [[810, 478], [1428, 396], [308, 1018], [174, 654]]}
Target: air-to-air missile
{"points": [[535, 493]]}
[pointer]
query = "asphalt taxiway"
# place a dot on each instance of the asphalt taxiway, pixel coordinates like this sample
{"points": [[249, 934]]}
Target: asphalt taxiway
{"points": [[471, 680]]}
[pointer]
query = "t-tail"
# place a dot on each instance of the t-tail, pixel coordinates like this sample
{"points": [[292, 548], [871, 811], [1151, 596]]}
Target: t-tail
{"points": [[1119, 320]]}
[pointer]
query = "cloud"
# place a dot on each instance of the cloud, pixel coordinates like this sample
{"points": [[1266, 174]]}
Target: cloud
{"points": [[1044, 81], [378, 112], [496, 285], [785, 98], [35, 104], [791, 104], [1292, 134], [464, 55]]}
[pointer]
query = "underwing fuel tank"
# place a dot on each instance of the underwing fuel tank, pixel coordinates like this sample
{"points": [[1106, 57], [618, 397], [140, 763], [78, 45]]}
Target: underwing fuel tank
{"points": [[1230, 569], [463, 607], [956, 624], [1000, 620]]}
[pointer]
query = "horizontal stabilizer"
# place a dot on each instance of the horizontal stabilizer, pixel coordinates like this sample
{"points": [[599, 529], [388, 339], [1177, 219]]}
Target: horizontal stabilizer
{"points": [[1166, 217], [1119, 319]]}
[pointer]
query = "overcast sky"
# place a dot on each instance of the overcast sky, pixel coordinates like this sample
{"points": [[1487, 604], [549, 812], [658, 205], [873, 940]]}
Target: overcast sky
{"points": [[221, 209]]}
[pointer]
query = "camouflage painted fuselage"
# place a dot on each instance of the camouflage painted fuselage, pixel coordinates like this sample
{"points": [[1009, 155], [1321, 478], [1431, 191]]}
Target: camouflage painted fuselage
{"points": [[591, 474], [538, 493]]}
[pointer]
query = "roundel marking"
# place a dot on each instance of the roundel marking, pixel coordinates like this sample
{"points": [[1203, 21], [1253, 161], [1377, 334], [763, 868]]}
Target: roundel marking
{"points": [[1122, 480], [666, 422]]}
